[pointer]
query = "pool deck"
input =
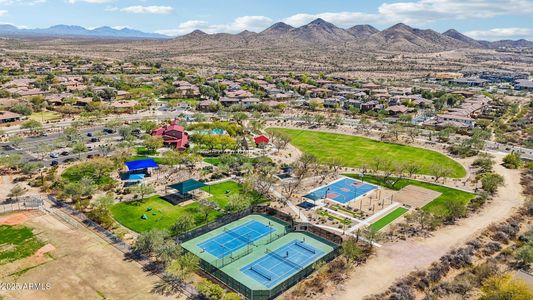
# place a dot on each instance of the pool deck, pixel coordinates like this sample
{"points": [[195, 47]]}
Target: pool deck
{"points": [[259, 250]]}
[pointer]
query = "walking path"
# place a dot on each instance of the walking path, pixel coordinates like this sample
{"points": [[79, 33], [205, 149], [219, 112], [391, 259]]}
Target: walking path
{"points": [[398, 259]]}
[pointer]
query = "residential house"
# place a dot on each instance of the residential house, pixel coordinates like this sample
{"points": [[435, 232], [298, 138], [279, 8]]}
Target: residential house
{"points": [[173, 135], [9, 117], [523, 85]]}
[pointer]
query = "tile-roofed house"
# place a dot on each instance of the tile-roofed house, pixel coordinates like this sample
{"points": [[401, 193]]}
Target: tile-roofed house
{"points": [[173, 134], [9, 102], [397, 109], [9, 117], [207, 105], [239, 94], [124, 104], [229, 101]]}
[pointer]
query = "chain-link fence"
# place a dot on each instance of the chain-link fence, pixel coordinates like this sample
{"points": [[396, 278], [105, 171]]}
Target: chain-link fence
{"points": [[26, 203], [213, 269]]}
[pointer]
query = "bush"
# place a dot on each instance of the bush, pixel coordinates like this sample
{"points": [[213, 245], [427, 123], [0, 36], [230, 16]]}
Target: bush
{"points": [[512, 161]]}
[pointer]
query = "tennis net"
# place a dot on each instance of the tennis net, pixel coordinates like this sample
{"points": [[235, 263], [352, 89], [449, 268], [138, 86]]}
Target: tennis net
{"points": [[240, 237], [256, 270], [284, 259], [304, 246]]}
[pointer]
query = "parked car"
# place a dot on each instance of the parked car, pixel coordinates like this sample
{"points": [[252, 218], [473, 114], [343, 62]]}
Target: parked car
{"points": [[89, 134], [54, 155], [64, 153], [54, 163], [94, 140]]}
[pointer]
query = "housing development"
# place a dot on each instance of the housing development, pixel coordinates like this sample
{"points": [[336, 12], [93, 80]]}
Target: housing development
{"points": [[312, 161]]}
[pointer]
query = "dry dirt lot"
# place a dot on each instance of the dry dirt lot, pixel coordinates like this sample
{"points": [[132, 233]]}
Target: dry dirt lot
{"points": [[82, 266]]}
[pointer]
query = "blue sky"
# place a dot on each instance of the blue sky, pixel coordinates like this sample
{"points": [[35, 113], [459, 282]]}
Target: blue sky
{"points": [[481, 19]]}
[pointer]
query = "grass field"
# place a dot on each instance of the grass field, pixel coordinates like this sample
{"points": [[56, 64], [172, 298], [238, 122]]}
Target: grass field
{"points": [[129, 214], [45, 116], [17, 242], [158, 160], [221, 192], [215, 161], [141, 150], [437, 206], [395, 214], [356, 151]]}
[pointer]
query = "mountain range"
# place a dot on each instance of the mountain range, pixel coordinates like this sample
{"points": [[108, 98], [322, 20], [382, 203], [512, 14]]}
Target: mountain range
{"points": [[399, 37], [73, 31]]}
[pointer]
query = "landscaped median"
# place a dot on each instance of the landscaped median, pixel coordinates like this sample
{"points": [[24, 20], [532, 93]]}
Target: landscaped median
{"points": [[356, 152]]}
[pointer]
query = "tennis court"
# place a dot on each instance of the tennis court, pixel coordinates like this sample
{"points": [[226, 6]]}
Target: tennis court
{"points": [[277, 265], [233, 239], [342, 190], [267, 251]]}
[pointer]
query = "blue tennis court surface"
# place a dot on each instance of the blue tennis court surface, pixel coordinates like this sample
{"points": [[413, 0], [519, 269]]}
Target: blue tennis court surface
{"points": [[236, 238], [282, 263], [342, 191]]}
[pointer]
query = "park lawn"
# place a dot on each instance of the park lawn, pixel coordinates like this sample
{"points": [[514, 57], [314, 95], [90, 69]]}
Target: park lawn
{"points": [[129, 214], [221, 192], [17, 242], [158, 160], [395, 214], [141, 150], [437, 206], [215, 161], [354, 151], [45, 116]]}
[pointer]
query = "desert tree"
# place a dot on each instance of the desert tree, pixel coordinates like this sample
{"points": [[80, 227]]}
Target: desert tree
{"points": [[142, 189], [183, 224], [412, 168], [455, 209], [440, 171]]}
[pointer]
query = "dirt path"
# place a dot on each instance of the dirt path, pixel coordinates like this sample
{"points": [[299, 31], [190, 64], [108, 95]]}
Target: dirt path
{"points": [[396, 260]]}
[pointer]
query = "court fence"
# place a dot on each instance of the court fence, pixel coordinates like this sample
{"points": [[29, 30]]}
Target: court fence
{"points": [[26, 203], [213, 269]]}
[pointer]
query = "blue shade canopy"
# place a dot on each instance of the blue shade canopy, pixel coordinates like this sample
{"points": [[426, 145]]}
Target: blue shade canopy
{"points": [[141, 164], [188, 185]]}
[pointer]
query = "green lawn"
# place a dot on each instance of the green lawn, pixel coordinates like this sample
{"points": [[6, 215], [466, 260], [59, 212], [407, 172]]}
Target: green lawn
{"points": [[141, 150], [17, 242], [158, 160], [437, 206], [221, 192], [395, 214], [162, 216], [45, 116], [215, 161], [356, 151]]}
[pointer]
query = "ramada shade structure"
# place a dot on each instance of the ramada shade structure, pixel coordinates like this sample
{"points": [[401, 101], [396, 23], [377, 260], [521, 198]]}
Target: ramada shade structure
{"points": [[141, 164], [187, 186]]}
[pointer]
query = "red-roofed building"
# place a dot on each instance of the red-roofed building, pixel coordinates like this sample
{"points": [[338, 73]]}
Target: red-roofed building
{"points": [[173, 134], [261, 141]]}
